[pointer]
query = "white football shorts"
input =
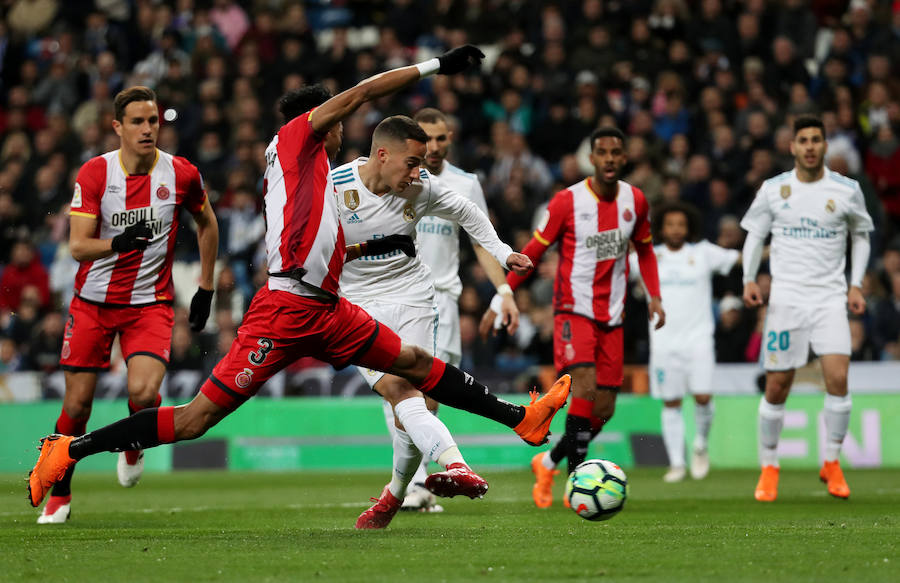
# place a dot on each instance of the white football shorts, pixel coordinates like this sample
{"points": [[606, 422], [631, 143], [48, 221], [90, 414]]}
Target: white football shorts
{"points": [[677, 373], [414, 324], [792, 330]]}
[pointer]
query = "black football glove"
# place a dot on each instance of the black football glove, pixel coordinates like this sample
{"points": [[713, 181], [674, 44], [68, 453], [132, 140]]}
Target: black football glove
{"points": [[200, 305], [459, 59], [133, 238], [388, 243]]}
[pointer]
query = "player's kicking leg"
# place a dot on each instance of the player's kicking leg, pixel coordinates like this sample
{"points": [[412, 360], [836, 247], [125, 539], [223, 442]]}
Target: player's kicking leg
{"points": [[145, 429], [418, 498]]}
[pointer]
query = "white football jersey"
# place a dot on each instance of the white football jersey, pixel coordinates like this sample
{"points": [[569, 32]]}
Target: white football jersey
{"points": [[364, 215], [809, 222], [439, 238], [685, 281]]}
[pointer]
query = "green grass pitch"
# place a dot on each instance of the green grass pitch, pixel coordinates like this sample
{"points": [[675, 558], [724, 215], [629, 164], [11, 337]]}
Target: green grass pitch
{"points": [[219, 526]]}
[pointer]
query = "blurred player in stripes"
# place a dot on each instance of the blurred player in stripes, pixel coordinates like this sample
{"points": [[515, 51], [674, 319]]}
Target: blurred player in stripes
{"points": [[385, 193], [299, 313], [810, 212], [682, 354], [593, 221], [123, 220]]}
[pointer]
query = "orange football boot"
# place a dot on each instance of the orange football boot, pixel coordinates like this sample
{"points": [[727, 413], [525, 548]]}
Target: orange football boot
{"points": [[767, 487], [542, 491], [535, 427], [833, 477], [52, 465]]}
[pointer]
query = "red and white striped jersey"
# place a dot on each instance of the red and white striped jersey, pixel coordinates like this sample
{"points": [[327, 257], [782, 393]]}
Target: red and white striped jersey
{"points": [[593, 236], [303, 227], [106, 192]]}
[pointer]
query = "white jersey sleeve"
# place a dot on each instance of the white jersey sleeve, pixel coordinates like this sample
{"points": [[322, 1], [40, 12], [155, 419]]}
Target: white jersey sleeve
{"points": [[451, 206], [719, 259], [758, 219], [858, 218]]}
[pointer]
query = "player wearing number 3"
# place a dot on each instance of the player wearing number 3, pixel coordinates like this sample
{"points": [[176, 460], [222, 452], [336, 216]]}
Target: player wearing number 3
{"points": [[809, 211]]}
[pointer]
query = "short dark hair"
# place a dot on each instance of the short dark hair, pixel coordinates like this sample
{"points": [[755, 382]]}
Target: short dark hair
{"points": [[689, 211], [399, 128], [607, 132], [132, 94], [430, 115], [299, 101], [808, 121]]}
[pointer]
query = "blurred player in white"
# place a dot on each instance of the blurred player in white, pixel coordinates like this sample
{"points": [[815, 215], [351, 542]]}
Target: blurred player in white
{"points": [[682, 353], [438, 246], [809, 211], [388, 193]]}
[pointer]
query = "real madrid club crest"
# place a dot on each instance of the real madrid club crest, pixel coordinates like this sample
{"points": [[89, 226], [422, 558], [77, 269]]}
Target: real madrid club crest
{"points": [[627, 215], [409, 213], [830, 206], [785, 190], [351, 199]]}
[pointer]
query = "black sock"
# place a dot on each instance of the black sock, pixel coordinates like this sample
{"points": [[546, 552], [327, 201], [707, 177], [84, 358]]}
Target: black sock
{"points": [[560, 450], [459, 390], [578, 430], [139, 431]]}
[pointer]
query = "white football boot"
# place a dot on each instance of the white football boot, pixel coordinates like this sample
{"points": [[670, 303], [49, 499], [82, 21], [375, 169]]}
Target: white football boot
{"points": [[129, 474], [699, 463], [675, 474], [56, 511], [419, 499]]}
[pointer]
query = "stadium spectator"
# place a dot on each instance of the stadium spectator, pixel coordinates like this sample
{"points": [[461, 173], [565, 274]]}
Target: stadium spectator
{"points": [[24, 270]]}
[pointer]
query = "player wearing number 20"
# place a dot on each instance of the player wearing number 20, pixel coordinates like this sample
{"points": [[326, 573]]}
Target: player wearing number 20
{"points": [[809, 211]]}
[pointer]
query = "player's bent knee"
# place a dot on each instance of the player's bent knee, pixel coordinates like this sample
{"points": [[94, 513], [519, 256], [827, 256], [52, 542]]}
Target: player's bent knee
{"points": [[413, 363]]}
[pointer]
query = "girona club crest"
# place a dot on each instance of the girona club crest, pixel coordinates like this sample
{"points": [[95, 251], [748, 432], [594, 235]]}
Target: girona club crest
{"points": [[66, 350], [162, 193], [243, 378], [627, 215]]}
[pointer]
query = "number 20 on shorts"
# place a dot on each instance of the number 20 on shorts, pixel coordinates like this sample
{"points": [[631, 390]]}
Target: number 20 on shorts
{"points": [[778, 341]]}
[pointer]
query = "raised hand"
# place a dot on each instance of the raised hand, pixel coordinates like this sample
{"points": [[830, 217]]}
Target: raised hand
{"points": [[459, 59]]}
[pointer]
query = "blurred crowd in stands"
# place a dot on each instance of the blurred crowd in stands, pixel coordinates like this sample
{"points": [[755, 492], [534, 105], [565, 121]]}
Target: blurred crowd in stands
{"points": [[705, 90]]}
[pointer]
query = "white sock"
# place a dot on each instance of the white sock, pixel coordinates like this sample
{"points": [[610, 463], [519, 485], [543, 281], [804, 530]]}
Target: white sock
{"points": [[406, 459], [428, 432], [837, 419], [389, 417], [703, 415], [451, 455], [422, 472], [547, 462], [673, 435], [771, 420]]}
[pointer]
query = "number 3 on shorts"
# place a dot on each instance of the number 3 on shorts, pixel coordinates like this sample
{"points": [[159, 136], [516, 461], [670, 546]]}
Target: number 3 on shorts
{"points": [[778, 341]]}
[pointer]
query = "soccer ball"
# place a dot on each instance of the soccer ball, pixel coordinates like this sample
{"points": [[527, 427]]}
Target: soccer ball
{"points": [[597, 489]]}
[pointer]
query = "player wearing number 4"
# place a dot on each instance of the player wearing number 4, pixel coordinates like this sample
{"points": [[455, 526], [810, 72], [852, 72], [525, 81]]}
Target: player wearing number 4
{"points": [[298, 312], [682, 353], [809, 211], [593, 221]]}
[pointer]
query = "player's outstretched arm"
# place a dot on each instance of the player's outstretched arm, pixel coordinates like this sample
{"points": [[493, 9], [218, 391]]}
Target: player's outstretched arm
{"points": [[345, 103], [503, 303]]}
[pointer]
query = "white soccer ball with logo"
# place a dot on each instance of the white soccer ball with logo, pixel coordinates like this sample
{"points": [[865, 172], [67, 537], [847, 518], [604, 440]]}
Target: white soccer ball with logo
{"points": [[597, 489]]}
